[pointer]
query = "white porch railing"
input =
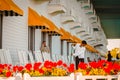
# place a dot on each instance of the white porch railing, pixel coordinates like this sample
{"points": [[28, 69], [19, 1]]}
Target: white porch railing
{"points": [[76, 76]]}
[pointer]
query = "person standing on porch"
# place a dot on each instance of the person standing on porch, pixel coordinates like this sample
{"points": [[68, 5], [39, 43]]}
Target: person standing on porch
{"points": [[80, 52], [109, 56], [44, 48], [45, 51]]}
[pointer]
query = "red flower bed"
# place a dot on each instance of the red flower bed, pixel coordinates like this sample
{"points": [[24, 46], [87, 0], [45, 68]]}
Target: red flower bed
{"points": [[99, 68], [47, 68]]}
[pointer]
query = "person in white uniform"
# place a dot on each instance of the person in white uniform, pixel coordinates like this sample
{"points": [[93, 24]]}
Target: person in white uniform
{"points": [[80, 53]]}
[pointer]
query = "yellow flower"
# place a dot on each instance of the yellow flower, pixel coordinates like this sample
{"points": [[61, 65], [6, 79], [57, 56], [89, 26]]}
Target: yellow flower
{"points": [[44, 68], [82, 71]]}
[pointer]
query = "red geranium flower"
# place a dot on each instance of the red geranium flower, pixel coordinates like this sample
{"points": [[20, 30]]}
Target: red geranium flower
{"points": [[59, 62], [82, 65], [64, 64], [107, 70], [20, 68], [1, 70], [5, 65], [71, 68], [54, 64], [1, 66], [15, 68], [28, 66], [48, 64], [37, 65], [93, 64], [116, 66], [8, 74], [41, 71], [101, 63]]}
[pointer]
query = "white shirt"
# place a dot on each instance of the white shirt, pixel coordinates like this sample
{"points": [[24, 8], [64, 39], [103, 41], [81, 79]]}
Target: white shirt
{"points": [[79, 51]]}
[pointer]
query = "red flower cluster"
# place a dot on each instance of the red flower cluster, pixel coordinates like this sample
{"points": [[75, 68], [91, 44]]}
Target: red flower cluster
{"points": [[48, 67], [82, 65], [18, 68], [38, 66], [71, 68], [5, 69], [108, 67]]}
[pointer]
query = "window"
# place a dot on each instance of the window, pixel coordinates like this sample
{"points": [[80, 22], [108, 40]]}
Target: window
{"points": [[0, 31], [61, 47], [50, 42], [31, 38], [67, 48], [43, 36], [95, 29]]}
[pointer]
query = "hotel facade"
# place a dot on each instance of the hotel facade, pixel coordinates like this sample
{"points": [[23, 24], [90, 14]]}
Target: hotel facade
{"points": [[24, 24]]}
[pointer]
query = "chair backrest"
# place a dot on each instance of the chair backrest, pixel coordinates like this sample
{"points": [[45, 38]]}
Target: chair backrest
{"points": [[2, 58], [11, 56], [46, 56], [54, 57], [23, 57], [71, 59], [65, 59], [58, 57], [20, 56], [7, 56], [31, 59], [38, 56]]}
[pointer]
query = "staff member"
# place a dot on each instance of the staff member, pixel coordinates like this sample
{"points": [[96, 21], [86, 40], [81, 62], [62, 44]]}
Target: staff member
{"points": [[80, 52]]}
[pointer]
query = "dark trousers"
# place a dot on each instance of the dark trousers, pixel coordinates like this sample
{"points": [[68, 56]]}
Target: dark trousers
{"points": [[77, 60]]}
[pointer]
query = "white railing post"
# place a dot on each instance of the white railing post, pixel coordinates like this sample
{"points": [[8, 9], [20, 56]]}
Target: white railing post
{"points": [[26, 76], [118, 77], [109, 77], [79, 76], [18, 76]]}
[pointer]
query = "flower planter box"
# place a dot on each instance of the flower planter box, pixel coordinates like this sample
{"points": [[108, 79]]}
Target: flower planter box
{"points": [[79, 76], [17, 77], [5, 78], [27, 77]]}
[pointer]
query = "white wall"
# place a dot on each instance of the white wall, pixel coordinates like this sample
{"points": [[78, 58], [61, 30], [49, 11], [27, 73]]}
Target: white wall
{"points": [[39, 6], [70, 47], [56, 45], [15, 29], [64, 47], [37, 39], [113, 43]]}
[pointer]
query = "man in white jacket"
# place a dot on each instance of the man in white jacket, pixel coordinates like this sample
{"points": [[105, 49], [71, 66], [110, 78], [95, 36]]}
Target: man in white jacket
{"points": [[80, 53]]}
